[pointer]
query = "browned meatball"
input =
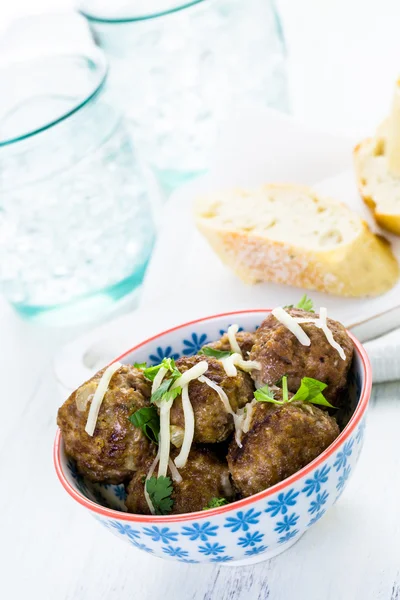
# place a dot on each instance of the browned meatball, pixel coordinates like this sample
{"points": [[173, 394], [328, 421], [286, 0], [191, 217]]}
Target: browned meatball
{"points": [[245, 339], [281, 440], [212, 423], [116, 448], [280, 353], [204, 477]]}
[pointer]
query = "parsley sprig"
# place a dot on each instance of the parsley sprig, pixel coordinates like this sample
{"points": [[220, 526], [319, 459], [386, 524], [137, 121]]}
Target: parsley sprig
{"points": [[218, 354], [160, 490], [151, 372], [310, 390], [305, 303], [164, 392], [148, 420], [215, 503]]}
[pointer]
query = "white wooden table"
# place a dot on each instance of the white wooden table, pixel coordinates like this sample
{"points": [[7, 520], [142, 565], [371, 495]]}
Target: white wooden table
{"points": [[50, 549]]}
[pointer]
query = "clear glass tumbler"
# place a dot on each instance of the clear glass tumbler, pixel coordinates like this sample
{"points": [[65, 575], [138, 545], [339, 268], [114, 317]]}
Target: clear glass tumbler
{"points": [[76, 230], [178, 68]]}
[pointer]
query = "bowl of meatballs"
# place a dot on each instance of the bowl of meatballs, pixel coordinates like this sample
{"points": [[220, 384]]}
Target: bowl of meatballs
{"points": [[222, 440]]}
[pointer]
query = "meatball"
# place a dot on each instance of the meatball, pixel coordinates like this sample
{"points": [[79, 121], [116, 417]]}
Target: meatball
{"points": [[204, 477], [280, 353], [212, 423], [117, 448], [245, 339], [281, 440]]}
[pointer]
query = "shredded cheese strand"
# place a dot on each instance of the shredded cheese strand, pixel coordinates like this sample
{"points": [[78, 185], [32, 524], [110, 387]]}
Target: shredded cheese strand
{"points": [[164, 438], [181, 459], [249, 415], [157, 381], [221, 393], [237, 419], [247, 365], [98, 397], [148, 476], [236, 360], [232, 331], [228, 365], [193, 373], [322, 324], [283, 317], [176, 476]]}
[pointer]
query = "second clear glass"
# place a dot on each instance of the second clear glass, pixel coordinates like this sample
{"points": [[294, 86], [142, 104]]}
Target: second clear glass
{"points": [[178, 68]]}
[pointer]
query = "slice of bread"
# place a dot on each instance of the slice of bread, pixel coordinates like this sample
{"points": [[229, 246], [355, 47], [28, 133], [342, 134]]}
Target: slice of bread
{"points": [[288, 234], [379, 188]]}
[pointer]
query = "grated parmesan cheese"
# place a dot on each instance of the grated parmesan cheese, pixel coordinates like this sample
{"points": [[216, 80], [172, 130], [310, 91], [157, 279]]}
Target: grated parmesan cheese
{"points": [[164, 437], [290, 322], [174, 472], [157, 381], [181, 459], [148, 476], [229, 366], [232, 331], [237, 418], [98, 397], [322, 324], [195, 372], [236, 360]]}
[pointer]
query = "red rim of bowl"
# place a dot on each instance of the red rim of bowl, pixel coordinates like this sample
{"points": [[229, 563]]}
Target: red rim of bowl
{"points": [[108, 512]]}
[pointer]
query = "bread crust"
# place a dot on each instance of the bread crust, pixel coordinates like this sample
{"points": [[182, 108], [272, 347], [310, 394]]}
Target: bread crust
{"points": [[364, 267], [388, 221]]}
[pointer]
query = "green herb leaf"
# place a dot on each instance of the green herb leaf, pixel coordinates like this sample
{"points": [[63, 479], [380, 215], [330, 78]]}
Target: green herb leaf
{"points": [[306, 304], [160, 490], [285, 392], [310, 390], [140, 366], [171, 394], [265, 394], [164, 387], [218, 354], [148, 420], [166, 363], [215, 503], [151, 372]]}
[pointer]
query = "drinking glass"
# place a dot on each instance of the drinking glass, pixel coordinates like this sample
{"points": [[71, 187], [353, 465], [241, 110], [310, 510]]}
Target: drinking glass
{"points": [[76, 229], [178, 68]]}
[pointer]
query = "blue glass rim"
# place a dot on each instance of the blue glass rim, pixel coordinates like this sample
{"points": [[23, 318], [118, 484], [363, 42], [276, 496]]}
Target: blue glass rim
{"points": [[95, 57], [132, 18]]}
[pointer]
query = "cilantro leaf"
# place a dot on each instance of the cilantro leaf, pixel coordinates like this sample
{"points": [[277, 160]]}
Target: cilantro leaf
{"points": [[218, 354], [148, 420], [265, 394], [163, 388], [160, 490], [306, 304], [140, 366], [310, 390], [171, 394], [215, 503], [166, 363], [285, 393]]}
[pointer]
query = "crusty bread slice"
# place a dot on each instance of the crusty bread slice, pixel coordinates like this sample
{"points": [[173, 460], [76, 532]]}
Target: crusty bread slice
{"points": [[379, 188], [288, 234]]}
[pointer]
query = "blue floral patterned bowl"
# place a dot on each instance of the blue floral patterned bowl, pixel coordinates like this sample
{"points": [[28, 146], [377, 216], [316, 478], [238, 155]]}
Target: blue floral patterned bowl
{"points": [[249, 530]]}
